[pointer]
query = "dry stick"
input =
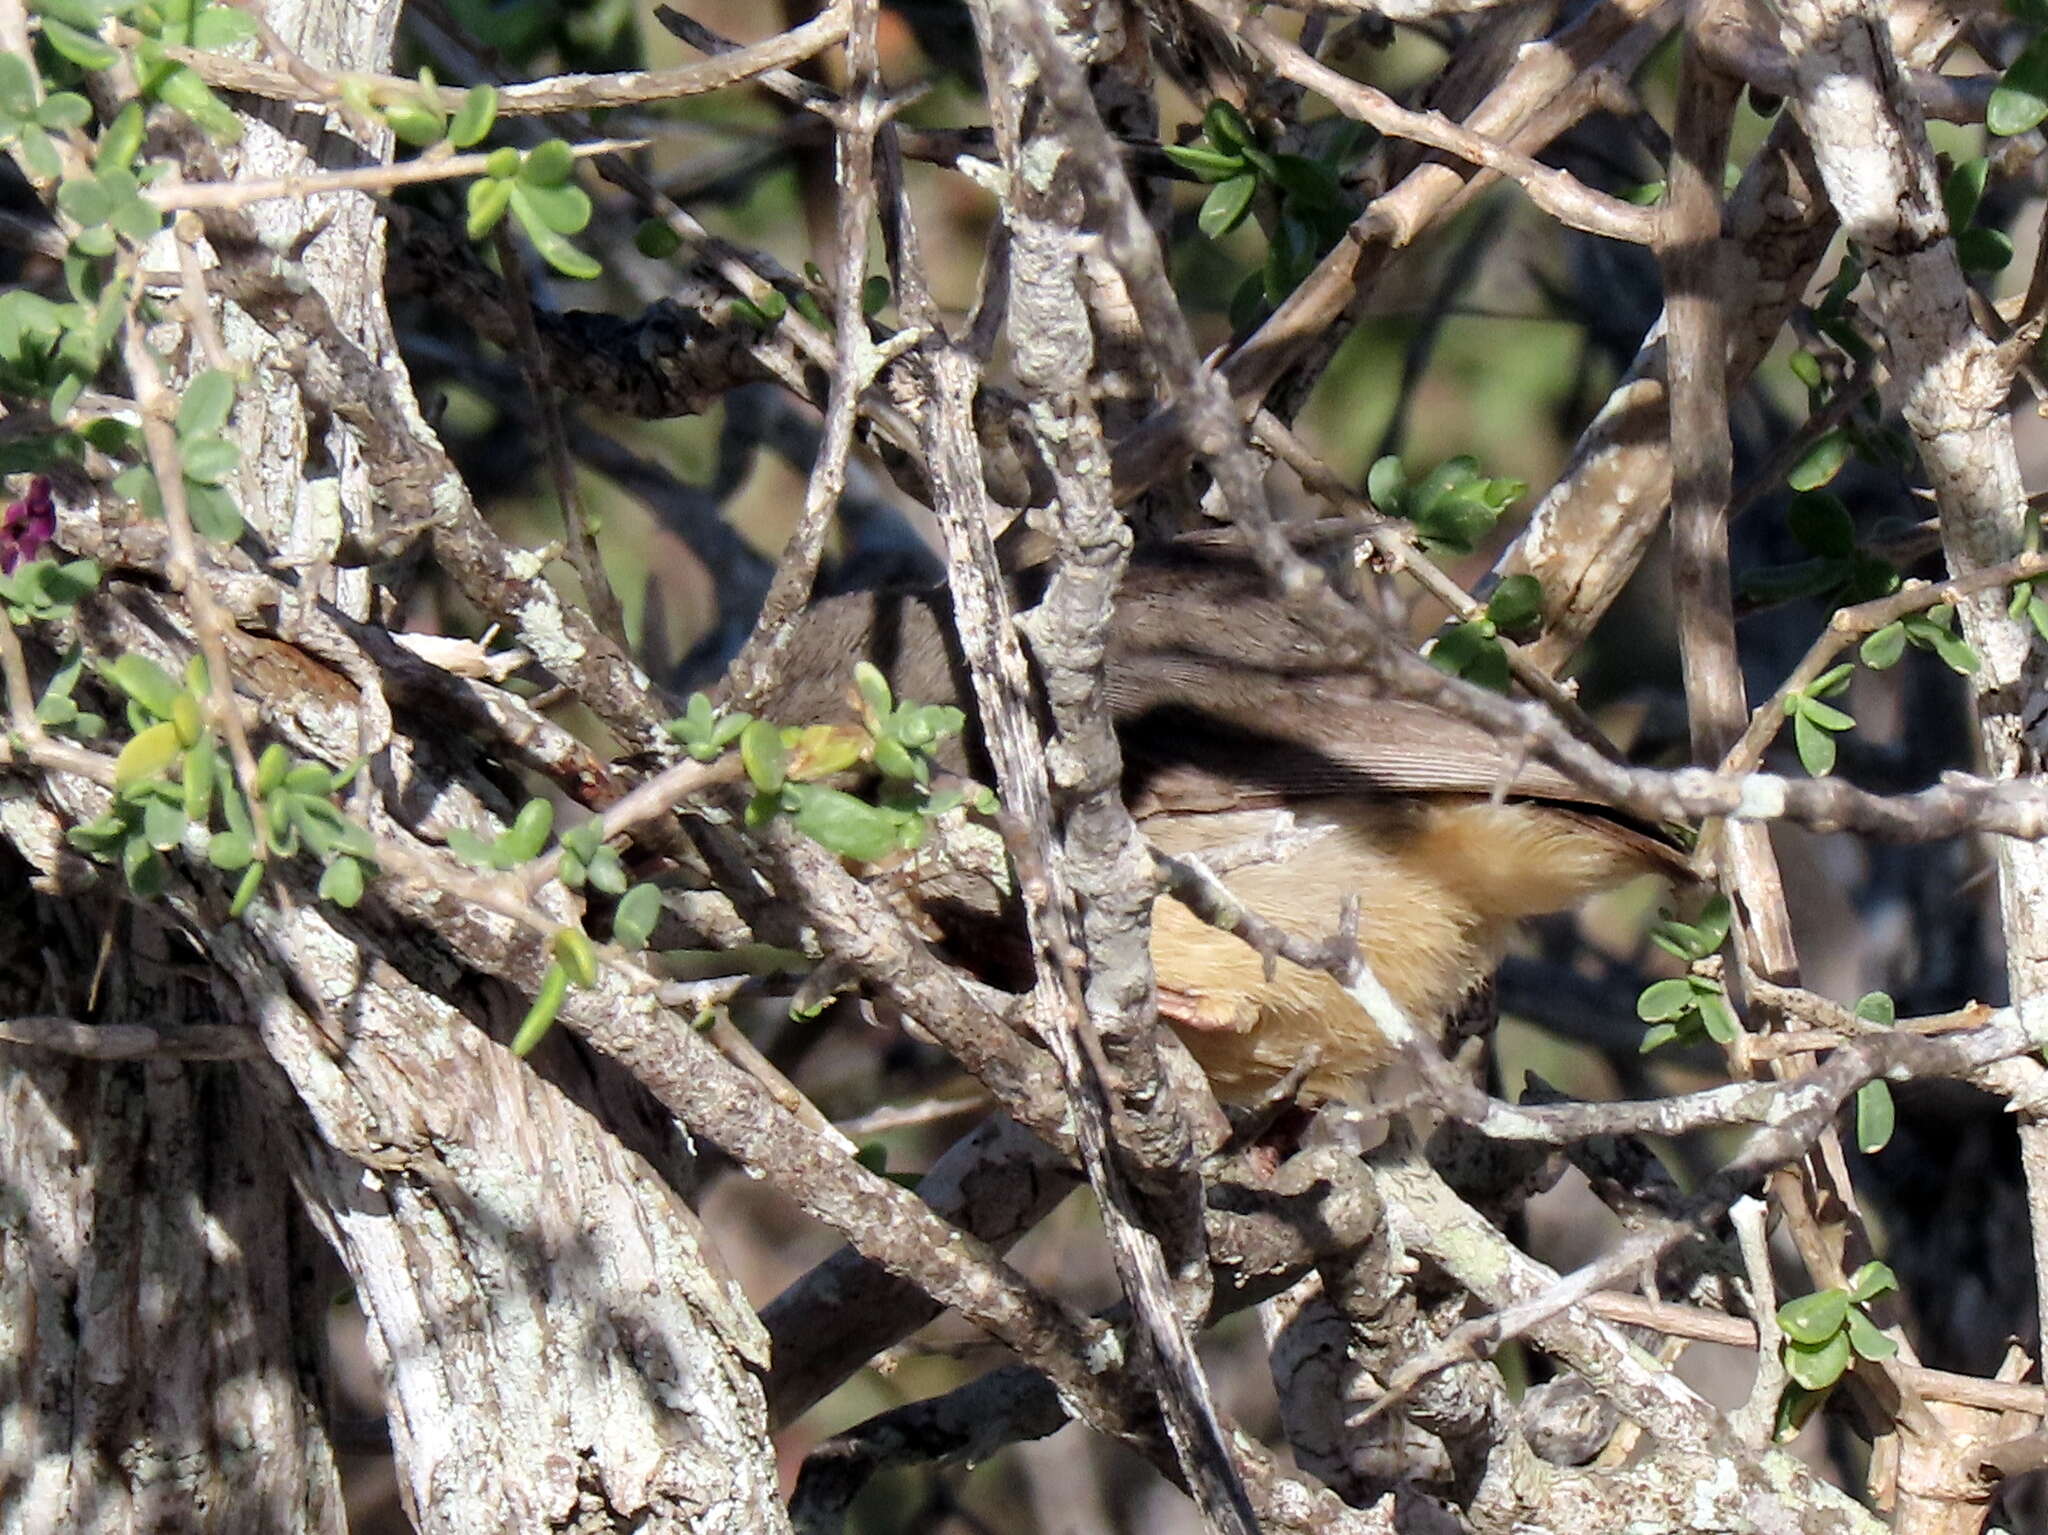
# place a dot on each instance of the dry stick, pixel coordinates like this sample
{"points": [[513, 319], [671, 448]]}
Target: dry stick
{"points": [[209, 623], [132, 1041], [753, 671], [1694, 259], [1756, 1418], [232, 195], [1558, 193], [2032, 319], [560, 93], [1059, 1007], [1871, 145], [1730, 39], [584, 557]]}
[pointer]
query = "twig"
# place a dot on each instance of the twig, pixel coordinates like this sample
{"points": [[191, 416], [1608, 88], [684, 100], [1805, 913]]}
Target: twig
{"points": [[232, 196], [1563, 196], [559, 93]]}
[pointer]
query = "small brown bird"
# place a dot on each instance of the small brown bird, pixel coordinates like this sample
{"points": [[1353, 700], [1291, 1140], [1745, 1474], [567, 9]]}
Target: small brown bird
{"points": [[1300, 786]]}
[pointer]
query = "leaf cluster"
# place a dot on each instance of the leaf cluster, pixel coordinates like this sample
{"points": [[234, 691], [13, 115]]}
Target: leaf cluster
{"points": [[207, 460], [1306, 207], [1473, 649], [1453, 507], [1693, 1006], [1824, 1332]]}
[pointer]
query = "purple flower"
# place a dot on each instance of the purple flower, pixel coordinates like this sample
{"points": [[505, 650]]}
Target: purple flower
{"points": [[28, 524]]}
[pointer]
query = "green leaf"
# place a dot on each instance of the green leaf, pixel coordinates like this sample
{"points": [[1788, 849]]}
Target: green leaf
{"points": [[245, 891], [547, 1002], [416, 123], [1225, 127], [1821, 462], [584, 839], [230, 850], [634, 919], [207, 403], [606, 873], [1883, 648], [469, 847], [894, 760], [221, 26], [874, 689], [271, 767], [502, 163], [1226, 206], [1866, 1340], [1716, 1016], [145, 868], [874, 296], [164, 823], [149, 754], [548, 164], [1956, 652], [85, 51], [765, 757], [1963, 190], [1816, 747], [1815, 1318], [213, 513], [655, 240], [1982, 250], [2020, 100], [17, 87], [565, 209], [528, 833], [1657, 1036], [845, 825], [209, 460], [1878, 1008], [554, 249], [1870, 1281], [486, 201], [1826, 716], [474, 117], [62, 111], [1516, 606], [1663, 1001], [1875, 1116], [1310, 183], [1205, 164], [181, 89], [121, 139], [1818, 1366], [145, 682], [202, 764], [1821, 524], [342, 882], [1472, 651], [1454, 521], [574, 953]]}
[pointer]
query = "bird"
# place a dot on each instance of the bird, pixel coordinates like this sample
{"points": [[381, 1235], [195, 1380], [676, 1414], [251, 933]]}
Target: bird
{"points": [[1302, 784]]}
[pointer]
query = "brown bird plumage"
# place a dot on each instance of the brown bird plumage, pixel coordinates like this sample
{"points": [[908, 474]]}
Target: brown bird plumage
{"points": [[1239, 738]]}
